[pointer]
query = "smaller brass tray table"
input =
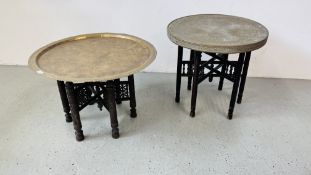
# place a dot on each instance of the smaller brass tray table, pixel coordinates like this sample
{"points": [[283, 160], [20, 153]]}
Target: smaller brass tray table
{"points": [[216, 36]]}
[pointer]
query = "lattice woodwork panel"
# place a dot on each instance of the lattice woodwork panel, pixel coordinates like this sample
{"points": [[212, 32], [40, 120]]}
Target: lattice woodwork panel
{"points": [[124, 90]]}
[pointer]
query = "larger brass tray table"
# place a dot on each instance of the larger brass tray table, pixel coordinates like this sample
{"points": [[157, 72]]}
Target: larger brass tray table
{"points": [[88, 69]]}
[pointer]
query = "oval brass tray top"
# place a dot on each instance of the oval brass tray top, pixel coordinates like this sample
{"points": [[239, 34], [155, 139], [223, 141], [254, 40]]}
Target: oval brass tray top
{"points": [[217, 33], [93, 57]]}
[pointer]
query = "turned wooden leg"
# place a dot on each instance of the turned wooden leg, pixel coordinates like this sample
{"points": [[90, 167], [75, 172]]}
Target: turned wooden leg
{"points": [[223, 71], [190, 70], [110, 94], [196, 61], [243, 77], [132, 96], [118, 90], [178, 76], [210, 77], [63, 96], [74, 108], [237, 73]]}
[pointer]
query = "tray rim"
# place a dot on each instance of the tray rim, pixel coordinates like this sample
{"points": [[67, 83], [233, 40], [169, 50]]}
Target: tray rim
{"points": [[226, 49], [32, 61]]}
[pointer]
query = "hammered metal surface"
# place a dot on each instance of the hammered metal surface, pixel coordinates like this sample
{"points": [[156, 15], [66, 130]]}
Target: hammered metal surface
{"points": [[217, 33], [93, 57]]}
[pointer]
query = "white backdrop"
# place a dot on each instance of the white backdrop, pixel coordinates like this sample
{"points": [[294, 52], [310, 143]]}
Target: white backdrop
{"points": [[26, 25]]}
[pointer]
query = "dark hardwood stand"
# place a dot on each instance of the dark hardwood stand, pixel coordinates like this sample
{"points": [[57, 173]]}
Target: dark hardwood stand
{"points": [[76, 96], [218, 65]]}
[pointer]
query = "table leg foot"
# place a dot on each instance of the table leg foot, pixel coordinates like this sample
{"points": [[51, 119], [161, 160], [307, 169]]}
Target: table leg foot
{"points": [[210, 79], [79, 136], [192, 114], [133, 113], [115, 133], [230, 114], [100, 105], [68, 118], [239, 100], [177, 99]]}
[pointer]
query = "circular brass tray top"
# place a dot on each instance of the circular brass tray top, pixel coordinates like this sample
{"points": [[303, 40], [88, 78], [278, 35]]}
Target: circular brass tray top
{"points": [[217, 33], [93, 57]]}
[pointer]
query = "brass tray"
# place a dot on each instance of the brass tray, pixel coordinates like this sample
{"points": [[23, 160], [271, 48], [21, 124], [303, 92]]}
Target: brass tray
{"points": [[217, 33], [93, 57]]}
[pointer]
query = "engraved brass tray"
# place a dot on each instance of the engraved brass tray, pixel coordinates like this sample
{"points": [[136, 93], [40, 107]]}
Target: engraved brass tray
{"points": [[217, 33], [93, 57]]}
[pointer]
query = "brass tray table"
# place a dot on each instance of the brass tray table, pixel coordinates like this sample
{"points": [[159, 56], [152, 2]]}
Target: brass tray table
{"points": [[217, 36], [88, 69]]}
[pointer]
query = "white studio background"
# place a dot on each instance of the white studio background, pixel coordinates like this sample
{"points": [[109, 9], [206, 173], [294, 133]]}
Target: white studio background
{"points": [[26, 25]]}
